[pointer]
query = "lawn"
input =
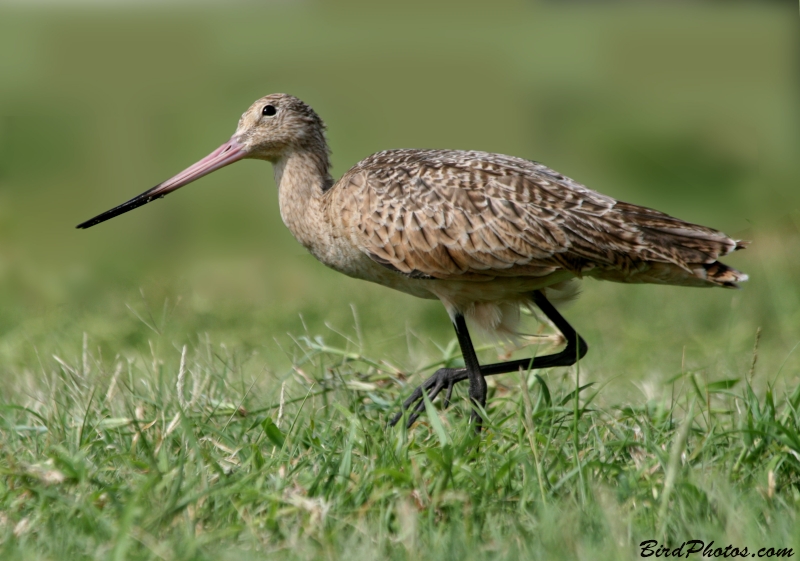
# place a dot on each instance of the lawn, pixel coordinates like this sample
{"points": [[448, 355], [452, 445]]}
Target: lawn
{"points": [[184, 382]]}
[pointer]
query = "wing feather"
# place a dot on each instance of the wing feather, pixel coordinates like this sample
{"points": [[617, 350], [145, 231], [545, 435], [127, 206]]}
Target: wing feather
{"points": [[474, 215]]}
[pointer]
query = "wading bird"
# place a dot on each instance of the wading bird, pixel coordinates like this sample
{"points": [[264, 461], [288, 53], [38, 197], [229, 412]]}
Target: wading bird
{"points": [[484, 233]]}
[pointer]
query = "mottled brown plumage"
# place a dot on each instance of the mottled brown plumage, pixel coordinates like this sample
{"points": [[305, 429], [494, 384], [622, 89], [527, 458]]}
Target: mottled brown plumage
{"points": [[465, 215], [484, 233]]}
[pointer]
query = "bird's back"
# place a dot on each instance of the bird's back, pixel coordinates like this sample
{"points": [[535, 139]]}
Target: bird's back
{"points": [[468, 215]]}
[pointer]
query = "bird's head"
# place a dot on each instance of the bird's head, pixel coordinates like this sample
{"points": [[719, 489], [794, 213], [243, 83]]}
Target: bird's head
{"points": [[277, 124], [273, 127]]}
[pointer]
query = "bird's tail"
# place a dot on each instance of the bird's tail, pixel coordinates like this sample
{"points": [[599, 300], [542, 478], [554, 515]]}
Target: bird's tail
{"points": [[722, 275]]}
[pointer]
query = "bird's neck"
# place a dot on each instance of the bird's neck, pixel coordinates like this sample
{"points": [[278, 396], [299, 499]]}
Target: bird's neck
{"points": [[305, 170], [303, 177]]}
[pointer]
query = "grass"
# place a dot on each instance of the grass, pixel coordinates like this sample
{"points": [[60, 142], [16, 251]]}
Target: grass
{"points": [[194, 453]]}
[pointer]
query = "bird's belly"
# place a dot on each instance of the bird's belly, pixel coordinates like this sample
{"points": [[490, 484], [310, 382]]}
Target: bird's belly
{"points": [[340, 254], [460, 295], [344, 258], [493, 306], [456, 294]]}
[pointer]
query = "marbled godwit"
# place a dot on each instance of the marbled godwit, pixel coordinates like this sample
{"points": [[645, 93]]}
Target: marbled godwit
{"points": [[484, 233]]}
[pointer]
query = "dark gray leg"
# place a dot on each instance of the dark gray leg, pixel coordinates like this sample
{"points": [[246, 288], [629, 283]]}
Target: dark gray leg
{"points": [[448, 377], [477, 383]]}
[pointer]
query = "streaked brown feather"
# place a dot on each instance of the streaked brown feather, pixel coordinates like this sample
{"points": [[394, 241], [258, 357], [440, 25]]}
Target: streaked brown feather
{"points": [[461, 215]]}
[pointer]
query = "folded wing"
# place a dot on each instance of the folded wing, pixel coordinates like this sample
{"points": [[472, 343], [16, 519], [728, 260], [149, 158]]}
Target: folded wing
{"points": [[478, 216]]}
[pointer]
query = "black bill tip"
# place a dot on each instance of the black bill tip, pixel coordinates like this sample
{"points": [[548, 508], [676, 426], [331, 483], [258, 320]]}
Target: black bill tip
{"points": [[135, 202]]}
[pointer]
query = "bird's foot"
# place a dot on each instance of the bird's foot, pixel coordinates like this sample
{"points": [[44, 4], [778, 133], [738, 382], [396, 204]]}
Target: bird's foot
{"points": [[433, 386]]}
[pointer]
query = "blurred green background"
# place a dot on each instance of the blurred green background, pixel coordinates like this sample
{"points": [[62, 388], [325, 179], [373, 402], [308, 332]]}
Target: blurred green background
{"points": [[690, 108]]}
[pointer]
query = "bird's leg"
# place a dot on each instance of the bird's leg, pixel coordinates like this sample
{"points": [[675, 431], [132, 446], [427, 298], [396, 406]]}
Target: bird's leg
{"points": [[477, 383], [448, 377], [574, 351]]}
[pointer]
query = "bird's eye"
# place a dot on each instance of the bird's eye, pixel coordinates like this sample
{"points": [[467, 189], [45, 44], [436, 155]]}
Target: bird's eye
{"points": [[269, 110]]}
